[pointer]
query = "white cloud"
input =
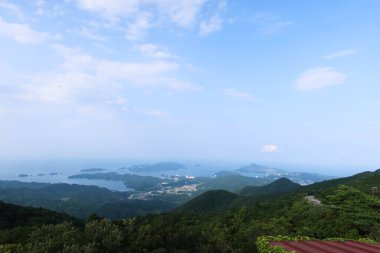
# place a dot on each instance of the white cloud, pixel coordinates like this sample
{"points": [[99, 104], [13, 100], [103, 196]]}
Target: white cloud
{"points": [[222, 5], [11, 7], [215, 22], [181, 12], [21, 33], [212, 25], [318, 78], [154, 51], [138, 28], [270, 24], [60, 87], [142, 15], [110, 7], [91, 34], [83, 77], [270, 148], [240, 95], [43, 10], [338, 54]]}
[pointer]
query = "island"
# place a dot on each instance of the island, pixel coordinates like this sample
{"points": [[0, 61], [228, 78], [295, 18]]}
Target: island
{"points": [[92, 170]]}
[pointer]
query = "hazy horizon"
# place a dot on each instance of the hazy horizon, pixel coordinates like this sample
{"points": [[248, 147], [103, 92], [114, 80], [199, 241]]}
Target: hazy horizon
{"points": [[13, 167], [290, 84]]}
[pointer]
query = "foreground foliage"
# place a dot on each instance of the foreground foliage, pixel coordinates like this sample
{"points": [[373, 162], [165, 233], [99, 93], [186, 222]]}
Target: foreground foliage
{"points": [[346, 212]]}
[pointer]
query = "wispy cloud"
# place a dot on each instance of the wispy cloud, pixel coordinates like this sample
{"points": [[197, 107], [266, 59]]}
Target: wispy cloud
{"points": [[82, 76], [215, 22], [182, 13], [21, 33], [42, 9], [270, 24], [91, 34], [154, 51], [108, 8], [138, 28], [239, 95], [142, 15], [338, 54], [212, 25], [319, 78], [270, 148], [11, 7]]}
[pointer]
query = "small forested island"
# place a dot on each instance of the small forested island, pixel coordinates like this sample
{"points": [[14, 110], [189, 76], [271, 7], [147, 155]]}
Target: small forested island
{"points": [[92, 170], [157, 167]]}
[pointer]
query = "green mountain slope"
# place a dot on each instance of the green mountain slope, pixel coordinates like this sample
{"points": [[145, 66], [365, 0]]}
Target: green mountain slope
{"points": [[79, 200], [131, 208], [279, 186], [232, 182], [217, 200], [13, 216], [362, 181], [210, 201]]}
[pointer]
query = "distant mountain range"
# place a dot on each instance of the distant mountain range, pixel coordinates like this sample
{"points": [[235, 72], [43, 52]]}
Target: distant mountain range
{"points": [[253, 170], [157, 167], [259, 171]]}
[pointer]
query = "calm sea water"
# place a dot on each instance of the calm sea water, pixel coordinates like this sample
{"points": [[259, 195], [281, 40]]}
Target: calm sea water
{"points": [[57, 172]]}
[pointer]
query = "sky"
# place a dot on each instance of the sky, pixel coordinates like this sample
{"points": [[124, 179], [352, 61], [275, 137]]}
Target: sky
{"points": [[276, 82]]}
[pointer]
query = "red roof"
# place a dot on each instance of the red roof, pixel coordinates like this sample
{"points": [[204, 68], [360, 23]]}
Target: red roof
{"points": [[315, 246]]}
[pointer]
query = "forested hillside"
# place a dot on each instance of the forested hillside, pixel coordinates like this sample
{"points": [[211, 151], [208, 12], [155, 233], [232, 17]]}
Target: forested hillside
{"points": [[79, 200], [209, 224]]}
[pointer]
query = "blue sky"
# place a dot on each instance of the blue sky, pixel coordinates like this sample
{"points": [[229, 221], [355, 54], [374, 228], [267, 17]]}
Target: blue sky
{"points": [[279, 82]]}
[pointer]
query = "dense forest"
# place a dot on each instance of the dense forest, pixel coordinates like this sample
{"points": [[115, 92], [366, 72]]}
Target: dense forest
{"points": [[216, 221], [79, 200]]}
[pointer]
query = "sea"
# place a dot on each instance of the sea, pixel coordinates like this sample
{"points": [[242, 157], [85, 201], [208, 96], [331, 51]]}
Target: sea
{"points": [[59, 171]]}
